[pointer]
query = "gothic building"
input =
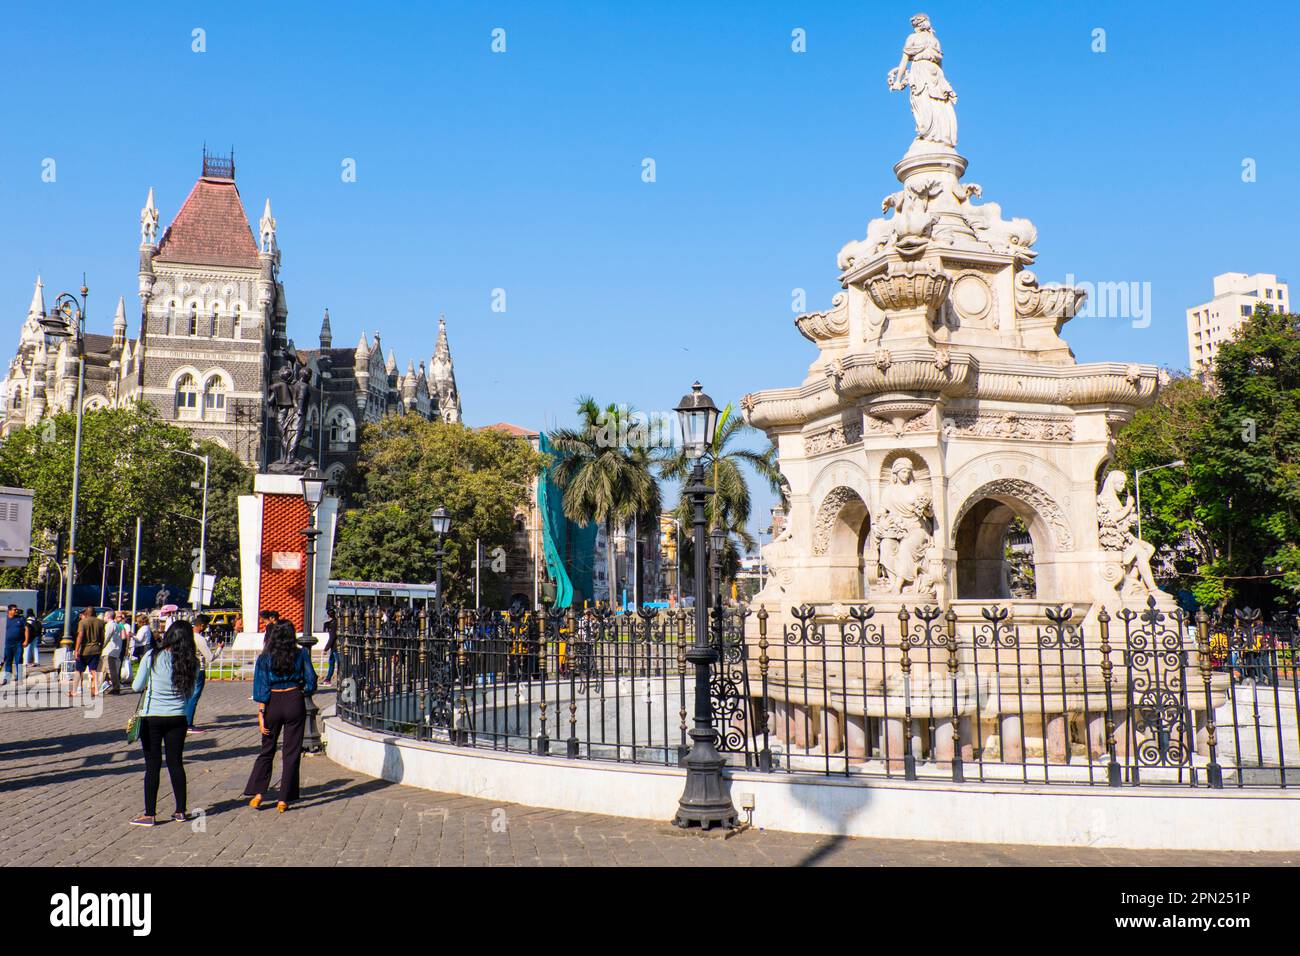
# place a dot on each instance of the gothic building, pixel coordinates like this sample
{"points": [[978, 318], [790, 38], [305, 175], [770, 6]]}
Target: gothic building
{"points": [[213, 333]]}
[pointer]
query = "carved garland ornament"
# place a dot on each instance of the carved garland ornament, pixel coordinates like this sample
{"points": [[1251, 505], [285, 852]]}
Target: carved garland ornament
{"points": [[1030, 494]]}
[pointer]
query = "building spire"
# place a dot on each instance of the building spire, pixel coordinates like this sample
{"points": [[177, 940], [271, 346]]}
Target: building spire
{"points": [[326, 333], [149, 221], [267, 228], [362, 348], [37, 308], [442, 376], [391, 365], [119, 324]]}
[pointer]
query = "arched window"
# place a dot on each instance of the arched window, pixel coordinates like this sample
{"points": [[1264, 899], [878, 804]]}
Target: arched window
{"points": [[216, 320], [171, 317], [187, 397], [214, 398], [342, 429], [239, 314], [18, 398], [311, 431], [194, 318]]}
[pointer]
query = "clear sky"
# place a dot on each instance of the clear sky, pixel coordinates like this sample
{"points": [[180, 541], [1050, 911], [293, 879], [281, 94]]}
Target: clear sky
{"points": [[522, 171]]}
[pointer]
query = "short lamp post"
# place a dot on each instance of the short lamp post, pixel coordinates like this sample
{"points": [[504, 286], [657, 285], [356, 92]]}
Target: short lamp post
{"points": [[705, 801], [313, 490], [67, 320], [441, 527]]}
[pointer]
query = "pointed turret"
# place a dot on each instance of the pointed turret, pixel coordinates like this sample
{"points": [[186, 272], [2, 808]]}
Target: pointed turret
{"points": [[363, 350], [119, 325], [266, 225], [391, 365], [37, 309], [149, 221], [442, 376], [326, 333]]}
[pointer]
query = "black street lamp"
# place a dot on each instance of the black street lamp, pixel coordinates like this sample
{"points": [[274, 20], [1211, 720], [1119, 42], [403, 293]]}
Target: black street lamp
{"points": [[441, 525], [66, 319], [705, 801], [717, 551], [313, 490]]}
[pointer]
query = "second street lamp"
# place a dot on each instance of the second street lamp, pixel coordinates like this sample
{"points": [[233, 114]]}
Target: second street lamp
{"points": [[705, 801], [313, 491], [441, 525]]}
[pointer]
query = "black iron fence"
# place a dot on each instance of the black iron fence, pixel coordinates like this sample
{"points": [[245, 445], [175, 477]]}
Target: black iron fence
{"points": [[1147, 697]]}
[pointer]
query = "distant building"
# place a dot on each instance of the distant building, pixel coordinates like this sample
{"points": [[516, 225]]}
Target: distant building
{"points": [[213, 333], [1212, 323]]}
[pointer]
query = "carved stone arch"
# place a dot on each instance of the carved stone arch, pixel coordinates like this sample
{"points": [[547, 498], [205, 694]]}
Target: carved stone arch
{"points": [[841, 530], [1030, 494]]}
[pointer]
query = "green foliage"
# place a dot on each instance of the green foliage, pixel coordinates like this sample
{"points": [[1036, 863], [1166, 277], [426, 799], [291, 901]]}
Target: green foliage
{"points": [[1237, 501], [127, 470], [406, 469], [227, 592], [729, 506], [605, 478]]}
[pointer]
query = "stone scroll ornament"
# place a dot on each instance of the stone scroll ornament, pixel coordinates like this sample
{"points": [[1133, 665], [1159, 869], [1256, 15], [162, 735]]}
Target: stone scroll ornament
{"points": [[932, 97], [1115, 521], [903, 535]]}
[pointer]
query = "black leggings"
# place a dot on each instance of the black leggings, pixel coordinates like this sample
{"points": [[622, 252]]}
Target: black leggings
{"points": [[155, 733], [287, 711]]}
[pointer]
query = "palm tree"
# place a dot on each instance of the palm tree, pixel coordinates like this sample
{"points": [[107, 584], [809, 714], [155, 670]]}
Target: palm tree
{"points": [[729, 506], [604, 479]]}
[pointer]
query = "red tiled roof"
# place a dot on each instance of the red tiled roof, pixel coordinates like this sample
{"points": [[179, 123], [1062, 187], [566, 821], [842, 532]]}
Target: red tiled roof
{"points": [[211, 229], [510, 430]]}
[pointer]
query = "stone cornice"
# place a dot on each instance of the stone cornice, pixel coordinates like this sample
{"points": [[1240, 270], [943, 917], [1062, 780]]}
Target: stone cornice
{"points": [[950, 373]]}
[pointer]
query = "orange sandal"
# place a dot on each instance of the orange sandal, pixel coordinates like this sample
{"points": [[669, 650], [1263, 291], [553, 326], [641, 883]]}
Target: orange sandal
{"points": [[255, 802]]}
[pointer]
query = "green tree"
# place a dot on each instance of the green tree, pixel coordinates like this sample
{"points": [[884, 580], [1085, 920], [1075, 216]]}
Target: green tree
{"points": [[407, 468], [1231, 511], [127, 471], [730, 505], [605, 471]]}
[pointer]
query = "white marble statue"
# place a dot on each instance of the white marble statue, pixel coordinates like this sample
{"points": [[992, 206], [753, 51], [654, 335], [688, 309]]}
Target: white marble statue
{"points": [[1115, 520], [932, 96], [902, 531]]}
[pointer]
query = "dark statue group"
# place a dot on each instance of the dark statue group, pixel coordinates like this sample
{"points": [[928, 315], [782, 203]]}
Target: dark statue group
{"points": [[290, 397]]}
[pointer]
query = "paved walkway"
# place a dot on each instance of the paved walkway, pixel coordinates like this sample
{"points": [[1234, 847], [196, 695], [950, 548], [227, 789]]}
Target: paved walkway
{"points": [[69, 782]]}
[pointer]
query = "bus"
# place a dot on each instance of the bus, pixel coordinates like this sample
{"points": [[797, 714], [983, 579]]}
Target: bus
{"points": [[387, 593]]}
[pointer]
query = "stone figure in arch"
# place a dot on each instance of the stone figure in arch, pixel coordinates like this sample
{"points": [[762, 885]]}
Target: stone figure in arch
{"points": [[932, 96], [1115, 520], [902, 532]]}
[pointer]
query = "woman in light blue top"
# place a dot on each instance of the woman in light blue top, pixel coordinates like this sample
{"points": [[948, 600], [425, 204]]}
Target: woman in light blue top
{"points": [[166, 678]]}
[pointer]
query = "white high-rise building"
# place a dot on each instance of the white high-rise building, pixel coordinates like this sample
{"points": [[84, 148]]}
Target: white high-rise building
{"points": [[1212, 323]]}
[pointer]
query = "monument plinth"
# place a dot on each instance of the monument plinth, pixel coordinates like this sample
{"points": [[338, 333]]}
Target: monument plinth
{"points": [[273, 554]]}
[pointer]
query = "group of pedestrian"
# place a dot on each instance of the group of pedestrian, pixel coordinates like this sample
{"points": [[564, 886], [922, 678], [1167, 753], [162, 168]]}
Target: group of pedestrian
{"points": [[170, 679]]}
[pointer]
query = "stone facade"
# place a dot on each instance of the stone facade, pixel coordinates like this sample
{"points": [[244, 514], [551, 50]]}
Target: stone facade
{"points": [[213, 333]]}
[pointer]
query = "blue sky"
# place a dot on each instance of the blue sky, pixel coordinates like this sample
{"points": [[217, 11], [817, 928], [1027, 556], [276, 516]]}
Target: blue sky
{"points": [[522, 171]]}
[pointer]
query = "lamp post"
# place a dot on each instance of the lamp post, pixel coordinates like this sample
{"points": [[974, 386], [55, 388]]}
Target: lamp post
{"points": [[313, 490], [203, 525], [717, 548], [1137, 481], [705, 801], [441, 525], [66, 320]]}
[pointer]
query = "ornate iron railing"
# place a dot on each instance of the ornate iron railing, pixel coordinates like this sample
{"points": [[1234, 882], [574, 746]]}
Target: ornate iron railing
{"points": [[1146, 697]]}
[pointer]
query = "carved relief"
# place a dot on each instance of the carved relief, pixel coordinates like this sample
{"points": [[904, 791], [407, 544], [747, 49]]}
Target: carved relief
{"points": [[833, 438], [1054, 301], [1009, 425], [1115, 520], [922, 422]]}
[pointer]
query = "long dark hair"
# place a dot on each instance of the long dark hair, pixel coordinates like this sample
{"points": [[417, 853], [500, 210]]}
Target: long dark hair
{"points": [[282, 646], [179, 639]]}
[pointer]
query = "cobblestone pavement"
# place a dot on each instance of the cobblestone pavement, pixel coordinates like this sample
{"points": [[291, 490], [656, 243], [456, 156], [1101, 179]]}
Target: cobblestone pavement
{"points": [[69, 783]]}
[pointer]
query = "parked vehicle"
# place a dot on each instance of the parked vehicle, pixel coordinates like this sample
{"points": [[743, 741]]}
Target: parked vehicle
{"points": [[52, 624]]}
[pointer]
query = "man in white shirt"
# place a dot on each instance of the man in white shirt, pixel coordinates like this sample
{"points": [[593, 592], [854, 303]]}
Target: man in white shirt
{"points": [[113, 646], [201, 623]]}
